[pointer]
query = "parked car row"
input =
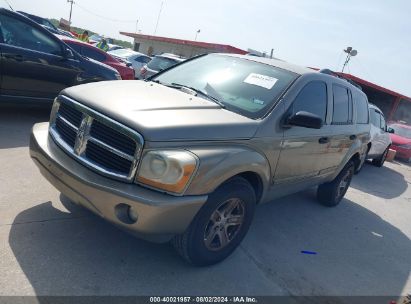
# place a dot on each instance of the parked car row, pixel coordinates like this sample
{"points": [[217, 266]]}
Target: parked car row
{"points": [[36, 65], [95, 53], [136, 59], [159, 63]]}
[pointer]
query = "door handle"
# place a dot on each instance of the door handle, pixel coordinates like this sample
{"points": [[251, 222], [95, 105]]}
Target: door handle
{"points": [[352, 137], [324, 140]]}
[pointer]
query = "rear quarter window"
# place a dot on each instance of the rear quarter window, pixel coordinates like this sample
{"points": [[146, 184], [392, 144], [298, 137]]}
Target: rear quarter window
{"points": [[342, 112]]}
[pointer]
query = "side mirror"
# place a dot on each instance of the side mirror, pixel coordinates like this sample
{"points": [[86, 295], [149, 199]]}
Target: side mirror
{"points": [[306, 120], [67, 53], [390, 130]]}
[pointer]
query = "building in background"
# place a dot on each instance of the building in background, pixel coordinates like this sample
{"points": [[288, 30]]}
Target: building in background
{"points": [[154, 45], [395, 106]]}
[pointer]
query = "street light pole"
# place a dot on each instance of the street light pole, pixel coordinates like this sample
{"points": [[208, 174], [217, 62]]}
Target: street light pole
{"points": [[158, 18], [198, 32], [350, 53]]}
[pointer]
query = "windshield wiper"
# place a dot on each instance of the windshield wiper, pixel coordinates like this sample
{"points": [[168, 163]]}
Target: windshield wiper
{"points": [[200, 92]]}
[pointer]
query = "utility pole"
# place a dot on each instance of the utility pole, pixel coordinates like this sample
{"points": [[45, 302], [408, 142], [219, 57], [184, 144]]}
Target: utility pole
{"points": [[272, 53], [71, 9], [136, 26], [158, 18]]}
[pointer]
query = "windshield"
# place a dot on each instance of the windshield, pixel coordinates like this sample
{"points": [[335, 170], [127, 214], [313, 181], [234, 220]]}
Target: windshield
{"points": [[161, 63], [401, 131], [242, 85]]}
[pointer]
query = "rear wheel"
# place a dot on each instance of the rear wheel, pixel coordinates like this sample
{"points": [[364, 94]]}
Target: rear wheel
{"points": [[220, 225], [330, 194], [379, 162]]}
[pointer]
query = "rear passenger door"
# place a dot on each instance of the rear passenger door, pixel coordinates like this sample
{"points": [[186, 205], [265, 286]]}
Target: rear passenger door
{"points": [[379, 141], [343, 132]]}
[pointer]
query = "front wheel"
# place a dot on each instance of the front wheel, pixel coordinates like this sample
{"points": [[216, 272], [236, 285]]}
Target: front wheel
{"points": [[330, 194], [379, 162], [220, 225]]}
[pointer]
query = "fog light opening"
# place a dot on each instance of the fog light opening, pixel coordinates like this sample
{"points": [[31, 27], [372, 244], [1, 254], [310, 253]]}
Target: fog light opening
{"points": [[126, 214]]}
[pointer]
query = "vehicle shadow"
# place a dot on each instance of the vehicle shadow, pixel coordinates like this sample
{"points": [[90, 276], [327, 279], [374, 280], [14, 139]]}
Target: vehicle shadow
{"points": [[358, 254], [16, 123], [383, 182]]}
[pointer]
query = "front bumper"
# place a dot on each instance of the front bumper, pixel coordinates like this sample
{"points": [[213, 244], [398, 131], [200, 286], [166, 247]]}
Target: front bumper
{"points": [[160, 216]]}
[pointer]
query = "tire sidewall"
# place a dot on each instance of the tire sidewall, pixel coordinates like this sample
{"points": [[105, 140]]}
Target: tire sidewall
{"points": [[237, 188]]}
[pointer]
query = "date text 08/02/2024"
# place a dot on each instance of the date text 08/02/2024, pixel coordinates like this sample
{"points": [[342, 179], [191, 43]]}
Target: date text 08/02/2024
{"points": [[199, 299]]}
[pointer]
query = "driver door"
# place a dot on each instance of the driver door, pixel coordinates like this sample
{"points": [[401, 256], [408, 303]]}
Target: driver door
{"points": [[302, 148]]}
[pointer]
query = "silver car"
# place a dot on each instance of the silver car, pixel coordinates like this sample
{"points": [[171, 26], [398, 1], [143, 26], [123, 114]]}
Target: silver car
{"points": [[137, 60], [158, 64], [380, 138]]}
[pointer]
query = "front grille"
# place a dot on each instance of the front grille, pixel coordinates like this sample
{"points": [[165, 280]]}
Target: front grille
{"points": [[67, 133], [117, 140], [95, 140], [71, 114], [110, 162]]}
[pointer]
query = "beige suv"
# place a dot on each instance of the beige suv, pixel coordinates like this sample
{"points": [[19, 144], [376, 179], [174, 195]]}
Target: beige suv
{"points": [[188, 155]]}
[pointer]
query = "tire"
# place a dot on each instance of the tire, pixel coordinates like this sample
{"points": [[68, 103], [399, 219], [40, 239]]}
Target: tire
{"points": [[330, 194], [211, 237], [379, 162]]}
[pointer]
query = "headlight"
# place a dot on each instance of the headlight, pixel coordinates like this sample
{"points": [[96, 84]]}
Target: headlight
{"points": [[167, 170]]}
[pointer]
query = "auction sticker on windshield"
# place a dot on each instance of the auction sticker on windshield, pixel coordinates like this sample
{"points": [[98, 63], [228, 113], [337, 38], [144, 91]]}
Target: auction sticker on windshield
{"points": [[261, 80]]}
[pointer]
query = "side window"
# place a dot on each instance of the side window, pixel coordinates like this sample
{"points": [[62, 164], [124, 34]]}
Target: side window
{"points": [[76, 47], [21, 34], [375, 118], [362, 109], [93, 54], [342, 113], [312, 98], [383, 124]]}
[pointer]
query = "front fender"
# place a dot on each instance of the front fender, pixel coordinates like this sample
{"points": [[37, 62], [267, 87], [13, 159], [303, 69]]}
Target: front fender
{"points": [[219, 164]]}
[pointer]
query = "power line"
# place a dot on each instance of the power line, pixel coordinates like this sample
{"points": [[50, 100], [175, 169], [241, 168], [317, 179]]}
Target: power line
{"points": [[103, 17]]}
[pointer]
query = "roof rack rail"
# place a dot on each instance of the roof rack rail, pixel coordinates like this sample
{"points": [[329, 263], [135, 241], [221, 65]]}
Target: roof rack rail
{"points": [[332, 73]]}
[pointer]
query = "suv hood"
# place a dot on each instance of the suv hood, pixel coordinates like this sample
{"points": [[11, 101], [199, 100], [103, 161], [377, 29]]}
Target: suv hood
{"points": [[161, 113]]}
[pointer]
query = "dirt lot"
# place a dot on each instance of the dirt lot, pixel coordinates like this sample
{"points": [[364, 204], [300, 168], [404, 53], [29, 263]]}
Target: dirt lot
{"points": [[49, 246]]}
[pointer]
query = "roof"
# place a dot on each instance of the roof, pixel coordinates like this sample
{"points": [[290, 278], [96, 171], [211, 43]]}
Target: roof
{"points": [[277, 63], [214, 46]]}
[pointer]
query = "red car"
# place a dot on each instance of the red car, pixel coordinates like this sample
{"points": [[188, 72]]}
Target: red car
{"points": [[92, 52], [401, 140]]}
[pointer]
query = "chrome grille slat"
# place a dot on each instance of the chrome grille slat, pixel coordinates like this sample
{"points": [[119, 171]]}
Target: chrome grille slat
{"points": [[110, 148], [67, 122], [97, 141]]}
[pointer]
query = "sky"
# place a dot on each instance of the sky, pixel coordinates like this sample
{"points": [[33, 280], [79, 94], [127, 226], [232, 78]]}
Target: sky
{"points": [[306, 32]]}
